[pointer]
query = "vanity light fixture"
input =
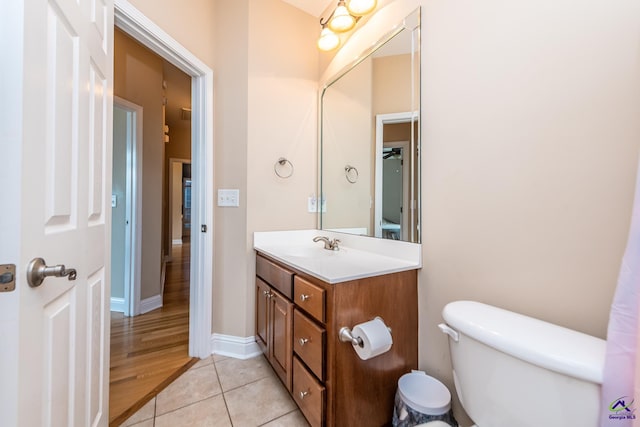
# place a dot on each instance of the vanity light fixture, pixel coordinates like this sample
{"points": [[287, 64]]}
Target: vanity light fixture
{"points": [[361, 7], [328, 39], [342, 19]]}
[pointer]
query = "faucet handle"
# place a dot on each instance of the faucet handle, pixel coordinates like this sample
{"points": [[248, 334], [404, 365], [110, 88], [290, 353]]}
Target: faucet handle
{"points": [[335, 243]]}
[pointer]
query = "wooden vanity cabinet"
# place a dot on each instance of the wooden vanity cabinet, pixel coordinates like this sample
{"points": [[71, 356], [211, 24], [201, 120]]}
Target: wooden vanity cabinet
{"points": [[274, 323], [330, 384]]}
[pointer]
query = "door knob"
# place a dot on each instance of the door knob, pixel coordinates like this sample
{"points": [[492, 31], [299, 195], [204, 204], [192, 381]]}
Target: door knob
{"points": [[37, 270]]}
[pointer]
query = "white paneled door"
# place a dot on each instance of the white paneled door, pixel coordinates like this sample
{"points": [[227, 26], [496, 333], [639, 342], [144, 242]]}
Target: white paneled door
{"points": [[59, 342]]}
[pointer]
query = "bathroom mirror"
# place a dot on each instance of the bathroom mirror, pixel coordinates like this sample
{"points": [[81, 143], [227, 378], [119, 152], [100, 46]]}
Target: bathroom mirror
{"points": [[370, 140]]}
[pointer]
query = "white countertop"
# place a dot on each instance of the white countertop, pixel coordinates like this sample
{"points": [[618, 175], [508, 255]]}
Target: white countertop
{"points": [[358, 257]]}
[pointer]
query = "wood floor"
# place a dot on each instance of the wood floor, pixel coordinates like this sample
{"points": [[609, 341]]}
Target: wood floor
{"points": [[149, 351]]}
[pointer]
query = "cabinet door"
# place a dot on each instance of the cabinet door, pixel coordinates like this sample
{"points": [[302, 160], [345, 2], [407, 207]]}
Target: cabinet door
{"points": [[263, 291], [281, 333]]}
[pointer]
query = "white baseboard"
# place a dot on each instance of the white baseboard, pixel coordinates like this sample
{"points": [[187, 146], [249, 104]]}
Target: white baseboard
{"points": [[117, 304], [236, 347], [151, 303], [176, 241]]}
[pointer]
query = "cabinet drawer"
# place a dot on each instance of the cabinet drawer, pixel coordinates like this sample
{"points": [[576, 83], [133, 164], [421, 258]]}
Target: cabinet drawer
{"points": [[309, 297], [308, 342], [278, 277], [308, 393]]}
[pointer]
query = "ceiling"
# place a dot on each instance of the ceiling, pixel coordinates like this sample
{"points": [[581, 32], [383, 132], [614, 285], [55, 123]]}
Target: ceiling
{"points": [[312, 7]]}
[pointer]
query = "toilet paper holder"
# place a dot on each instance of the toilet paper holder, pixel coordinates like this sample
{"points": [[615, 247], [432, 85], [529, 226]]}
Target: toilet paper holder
{"points": [[346, 334]]}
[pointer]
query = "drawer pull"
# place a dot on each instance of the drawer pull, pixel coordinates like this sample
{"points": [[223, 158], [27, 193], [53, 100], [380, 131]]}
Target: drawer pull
{"points": [[304, 297], [304, 394], [267, 294], [303, 341]]}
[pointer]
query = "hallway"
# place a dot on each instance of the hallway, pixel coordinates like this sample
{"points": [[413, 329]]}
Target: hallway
{"points": [[151, 350]]}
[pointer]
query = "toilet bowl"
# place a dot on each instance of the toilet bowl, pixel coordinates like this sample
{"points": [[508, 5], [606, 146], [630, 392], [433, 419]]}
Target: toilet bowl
{"points": [[505, 364]]}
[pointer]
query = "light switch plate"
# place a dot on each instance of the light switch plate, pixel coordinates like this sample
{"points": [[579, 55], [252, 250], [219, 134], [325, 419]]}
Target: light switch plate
{"points": [[114, 200], [228, 197]]}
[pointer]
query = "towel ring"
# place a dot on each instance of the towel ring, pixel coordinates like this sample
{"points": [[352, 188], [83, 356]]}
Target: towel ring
{"points": [[351, 173], [281, 163]]}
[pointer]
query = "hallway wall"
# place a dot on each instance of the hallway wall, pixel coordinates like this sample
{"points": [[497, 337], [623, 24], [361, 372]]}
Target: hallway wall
{"points": [[138, 78]]}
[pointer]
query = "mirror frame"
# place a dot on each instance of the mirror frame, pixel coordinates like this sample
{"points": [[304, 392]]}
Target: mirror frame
{"points": [[411, 22]]}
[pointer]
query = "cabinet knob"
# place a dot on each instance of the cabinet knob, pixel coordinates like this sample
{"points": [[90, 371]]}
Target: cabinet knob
{"points": [[304, 394], [304, 297], [303, 341]]}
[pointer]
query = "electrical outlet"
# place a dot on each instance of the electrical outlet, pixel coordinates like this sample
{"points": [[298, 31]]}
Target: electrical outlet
{"points": [[312, 204], [229, 197]]}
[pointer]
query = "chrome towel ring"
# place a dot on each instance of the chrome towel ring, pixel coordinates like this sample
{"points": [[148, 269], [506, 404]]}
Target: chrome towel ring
{"points": [[351, 173], [280, 168]]}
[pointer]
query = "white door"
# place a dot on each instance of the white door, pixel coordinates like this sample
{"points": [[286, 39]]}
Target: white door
{"points": [[57, 347]]}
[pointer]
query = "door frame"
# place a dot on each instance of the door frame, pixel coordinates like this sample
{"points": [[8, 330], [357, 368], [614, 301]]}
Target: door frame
{"points": [[381, 120], [133, 200], [406, 151], [172, 161], [135, 24]]}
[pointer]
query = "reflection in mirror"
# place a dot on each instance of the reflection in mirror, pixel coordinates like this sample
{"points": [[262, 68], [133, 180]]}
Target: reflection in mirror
{"points": [[370, 139]]}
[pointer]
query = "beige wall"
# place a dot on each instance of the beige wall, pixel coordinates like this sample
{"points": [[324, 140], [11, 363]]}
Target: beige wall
{"points": [[530, 148], [178, 95], [348, 140], [392, 84], [189, 22], [230, 292], [138, 78], [282, 122]]}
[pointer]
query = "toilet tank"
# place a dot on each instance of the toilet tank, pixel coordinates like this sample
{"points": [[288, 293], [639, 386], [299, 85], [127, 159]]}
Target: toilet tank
{"points": [[513, 370]]}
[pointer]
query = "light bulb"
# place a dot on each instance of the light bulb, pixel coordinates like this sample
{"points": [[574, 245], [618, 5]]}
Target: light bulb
{"points": [[342, 21], [361, 7], [328, 40]]}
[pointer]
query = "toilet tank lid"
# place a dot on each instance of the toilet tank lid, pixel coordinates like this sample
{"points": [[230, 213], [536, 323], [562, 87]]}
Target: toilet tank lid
{"points": [[541, 343]]}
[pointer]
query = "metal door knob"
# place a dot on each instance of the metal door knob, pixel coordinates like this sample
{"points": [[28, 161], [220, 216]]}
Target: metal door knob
{"points": [[38, 270]]}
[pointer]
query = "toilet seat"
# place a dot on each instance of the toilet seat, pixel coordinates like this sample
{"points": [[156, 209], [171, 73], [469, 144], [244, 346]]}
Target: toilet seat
{"points": [[435, 423]]}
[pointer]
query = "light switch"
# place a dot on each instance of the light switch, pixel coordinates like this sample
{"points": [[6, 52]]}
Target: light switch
{"points": [[114, 200], [229, 197]]}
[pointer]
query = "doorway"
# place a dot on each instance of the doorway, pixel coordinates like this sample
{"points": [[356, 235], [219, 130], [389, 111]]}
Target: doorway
{"points": [[132, 22], [396, 156], [126, 235]]}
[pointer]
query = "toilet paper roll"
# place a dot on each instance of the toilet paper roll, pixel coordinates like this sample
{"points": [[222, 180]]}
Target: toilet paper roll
{"points": [[375, 336]]}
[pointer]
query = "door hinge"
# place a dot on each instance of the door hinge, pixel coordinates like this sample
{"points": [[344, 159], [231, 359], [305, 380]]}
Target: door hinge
{"points": [[203, 228]]}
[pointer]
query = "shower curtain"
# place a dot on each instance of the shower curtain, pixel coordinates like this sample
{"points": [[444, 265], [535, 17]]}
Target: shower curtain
{"points": [[620, 397]]}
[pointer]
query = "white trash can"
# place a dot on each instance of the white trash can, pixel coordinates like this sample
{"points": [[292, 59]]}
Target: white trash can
{"points": [[422, 399]]}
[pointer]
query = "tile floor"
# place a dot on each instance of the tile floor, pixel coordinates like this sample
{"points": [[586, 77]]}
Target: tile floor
{"points": [[221, 391]]}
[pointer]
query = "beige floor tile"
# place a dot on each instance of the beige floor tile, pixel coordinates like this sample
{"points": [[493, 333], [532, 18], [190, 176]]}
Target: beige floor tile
{"points": [[258, 403], [145, 413], [234, 373], [202, 362], [219, 357], [292, 419], [192, 386], [206, 413], [146, 423]]}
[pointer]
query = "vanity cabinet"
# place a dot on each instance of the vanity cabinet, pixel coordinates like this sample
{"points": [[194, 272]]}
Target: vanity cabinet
{"points": [[330, 384], [274, 312]]}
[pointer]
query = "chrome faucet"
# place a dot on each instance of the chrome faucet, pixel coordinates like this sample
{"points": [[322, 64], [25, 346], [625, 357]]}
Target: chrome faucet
{"points": [[329, 244]]}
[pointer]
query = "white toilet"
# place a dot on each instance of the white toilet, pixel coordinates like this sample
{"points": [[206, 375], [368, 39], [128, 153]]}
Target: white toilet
{"points": [[512, 370]]}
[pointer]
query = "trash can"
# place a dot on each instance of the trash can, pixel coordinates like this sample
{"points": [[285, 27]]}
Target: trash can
{"points": [[422, 399]]}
